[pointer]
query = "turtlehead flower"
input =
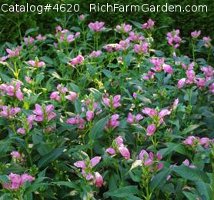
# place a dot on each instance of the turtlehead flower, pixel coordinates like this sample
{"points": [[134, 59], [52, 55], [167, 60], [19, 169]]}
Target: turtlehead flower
{"points": [[16, 181], [174, 39], [9, 112], [43, 113], [195, 34], [123, 28], [149, 24], [36, 63], [95, 54], [96, 26], [150, 129], [76, 61], [142, 48]]}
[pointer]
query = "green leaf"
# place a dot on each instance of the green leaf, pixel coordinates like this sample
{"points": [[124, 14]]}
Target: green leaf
{"points": [[31, 30], [190, 196], [172, 147], [53, 155], [123, 192], [47, 60], [97, 130], [4, 179], [204, 190], [192, 174], [160, 178], [190, 129], [65, 183]]}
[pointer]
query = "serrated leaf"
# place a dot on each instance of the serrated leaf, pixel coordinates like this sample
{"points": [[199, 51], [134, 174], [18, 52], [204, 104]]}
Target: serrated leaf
{"points": [[192, 174]]}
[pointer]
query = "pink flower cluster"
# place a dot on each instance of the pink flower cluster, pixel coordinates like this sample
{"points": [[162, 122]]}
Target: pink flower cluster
{"points": [[16, 155], [195, 34], [149, 24], [9, 112], [11, 53], [159, 65], [64, 35], [151, 160], [191, 77], [77, 120], [132, 119], [135, 37], [113, 122], [13, 90], [96, 26], [174, 39], [76, 61], [142, 48], [112, 101], [29, 40], [118, 147], [43, 113], [61, 94], [194, 141], [16, 181], [36, 63], [123, 28], [87, 170], [95, 54]]}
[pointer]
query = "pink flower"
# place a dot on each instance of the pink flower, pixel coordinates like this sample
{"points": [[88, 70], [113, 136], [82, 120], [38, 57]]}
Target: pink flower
{"points": [[204, 142], [82, 17], [150, 112], [195, 34], [190, 140], [130, 118], [141, 48], [94, 161], [110, 151], [149, 24], [55, 96], [181, 83], [13, 53], [124, 152], [113, 121], [119, 141], [44, 113], [98, 179], [123, 28], [95, 54], [116, 101], [207, 42], [96, 26], [21, 131], [76, 61], [174, 39], [89, 115], [40, 37], [36, 63], [150, 129], [72, 96], [15, 155], [80, 164], [163, 113], [167, 68], [211, 88], [26, 178], [16, 180]]}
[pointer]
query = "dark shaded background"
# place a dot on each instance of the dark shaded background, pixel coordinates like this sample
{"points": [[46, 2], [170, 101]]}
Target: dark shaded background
{"points": [[12, 25]]}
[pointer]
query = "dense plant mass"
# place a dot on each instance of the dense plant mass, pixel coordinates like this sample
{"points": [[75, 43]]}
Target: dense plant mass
{"points": [[82, 117]]}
